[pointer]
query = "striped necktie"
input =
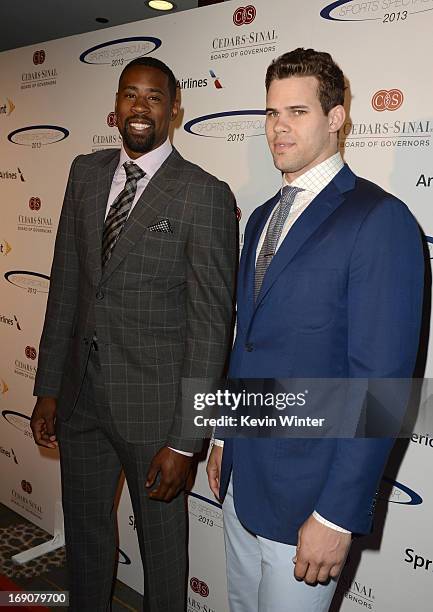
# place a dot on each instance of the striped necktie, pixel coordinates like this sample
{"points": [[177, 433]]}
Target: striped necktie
{"points": [[119, 210], [273, 234]]}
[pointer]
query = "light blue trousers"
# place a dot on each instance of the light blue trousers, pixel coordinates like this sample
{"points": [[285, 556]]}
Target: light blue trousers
{"points": [[260, 572]]}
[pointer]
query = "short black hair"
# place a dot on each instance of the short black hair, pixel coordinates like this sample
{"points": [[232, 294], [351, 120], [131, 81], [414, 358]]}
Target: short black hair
{"points": [[152, 62], [308, 62]]}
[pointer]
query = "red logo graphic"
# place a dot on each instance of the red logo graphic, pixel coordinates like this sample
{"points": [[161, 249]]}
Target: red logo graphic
{"points": [[112, 119], [30, 352], [244, 15], [238, 213], [34, 203], [39, 57], [216, 80], [387, 100], [26, 486], [199, 587]]}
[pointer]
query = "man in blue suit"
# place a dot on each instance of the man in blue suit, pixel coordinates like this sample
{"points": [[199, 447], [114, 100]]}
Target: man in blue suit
{"points": [[330, 286]]}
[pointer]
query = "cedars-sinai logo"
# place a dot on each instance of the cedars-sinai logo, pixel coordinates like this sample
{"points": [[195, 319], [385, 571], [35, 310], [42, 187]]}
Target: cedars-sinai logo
{"points": [[112, 119], [244, 15], [199, 587], [26, 487], [385, 99], [30, 352], [35, 203], [39, 57]]}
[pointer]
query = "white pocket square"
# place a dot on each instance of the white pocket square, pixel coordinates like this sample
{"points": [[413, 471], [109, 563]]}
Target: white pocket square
{"points": [[161, 226]]}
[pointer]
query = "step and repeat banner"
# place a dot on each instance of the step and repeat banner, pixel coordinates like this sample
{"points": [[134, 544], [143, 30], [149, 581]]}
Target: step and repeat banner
{"points": [[57, 100]]}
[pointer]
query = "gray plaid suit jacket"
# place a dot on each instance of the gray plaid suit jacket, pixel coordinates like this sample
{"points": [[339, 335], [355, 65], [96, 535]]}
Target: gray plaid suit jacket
{"points": [[162, 308]]}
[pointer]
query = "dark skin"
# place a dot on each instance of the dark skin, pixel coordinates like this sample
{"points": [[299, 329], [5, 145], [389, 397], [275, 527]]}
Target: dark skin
{"points": [[175, 469], [144, 109], [43, 422]]}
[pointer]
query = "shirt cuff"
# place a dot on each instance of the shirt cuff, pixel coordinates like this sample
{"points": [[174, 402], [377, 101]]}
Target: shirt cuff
{"points": [[186, 453], [216, 442], [328, 523]]}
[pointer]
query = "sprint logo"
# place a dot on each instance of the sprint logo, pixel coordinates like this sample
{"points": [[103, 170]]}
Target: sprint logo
{"points": [[5, 247], [7, 108]]}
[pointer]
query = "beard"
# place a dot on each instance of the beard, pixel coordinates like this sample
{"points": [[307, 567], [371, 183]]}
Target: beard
{"points": [[139, 143]]}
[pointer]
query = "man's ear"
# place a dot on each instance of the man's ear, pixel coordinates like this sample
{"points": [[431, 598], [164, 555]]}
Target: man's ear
{"points": [[174, 109], [336, 117], [115, 103]]}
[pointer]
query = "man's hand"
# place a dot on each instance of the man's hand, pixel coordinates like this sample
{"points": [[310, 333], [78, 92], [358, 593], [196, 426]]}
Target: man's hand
{"points": [[173, 468], [321, 552], [213, 470], [42, 422]]}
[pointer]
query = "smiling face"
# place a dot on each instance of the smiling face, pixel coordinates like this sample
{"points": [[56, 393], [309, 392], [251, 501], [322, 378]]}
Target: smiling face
{"points": [[299, 134], [144, 109]]}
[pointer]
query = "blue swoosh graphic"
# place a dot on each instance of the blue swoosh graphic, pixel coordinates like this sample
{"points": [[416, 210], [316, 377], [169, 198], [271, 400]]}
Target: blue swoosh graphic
{"points": [[415, 499], [326, 12], [187, 127], [156, 41], [62, 130]]}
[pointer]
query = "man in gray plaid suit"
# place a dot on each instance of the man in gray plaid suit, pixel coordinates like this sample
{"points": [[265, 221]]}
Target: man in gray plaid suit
{"points": [[141, 295]]}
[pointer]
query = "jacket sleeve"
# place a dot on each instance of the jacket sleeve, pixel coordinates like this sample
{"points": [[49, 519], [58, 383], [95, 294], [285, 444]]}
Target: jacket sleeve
{"points": [[211, 258], [385, 294], [62, 300]]}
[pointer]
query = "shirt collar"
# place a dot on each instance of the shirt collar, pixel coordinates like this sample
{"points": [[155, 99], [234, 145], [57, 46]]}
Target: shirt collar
{"points": [[316, 179], [148, 162]]}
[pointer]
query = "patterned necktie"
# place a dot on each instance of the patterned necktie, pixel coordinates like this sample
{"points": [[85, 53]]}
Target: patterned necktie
{"points": [[273, 234], [119, 210]]}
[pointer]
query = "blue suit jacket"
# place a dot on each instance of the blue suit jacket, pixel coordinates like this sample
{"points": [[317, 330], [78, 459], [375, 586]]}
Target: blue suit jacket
{"points": [[342, 298]]}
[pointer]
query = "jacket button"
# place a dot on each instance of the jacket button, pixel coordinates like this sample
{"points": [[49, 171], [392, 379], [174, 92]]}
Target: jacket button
{"points": [[249, 347], [100, 295]]}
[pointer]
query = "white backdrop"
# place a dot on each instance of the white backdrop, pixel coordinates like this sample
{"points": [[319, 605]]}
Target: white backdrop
{"points": [[55, 102]]}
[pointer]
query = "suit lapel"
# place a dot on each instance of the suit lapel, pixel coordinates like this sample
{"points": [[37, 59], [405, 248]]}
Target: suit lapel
{"points": [[247, 267], [151, 205], [316, 213]]}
